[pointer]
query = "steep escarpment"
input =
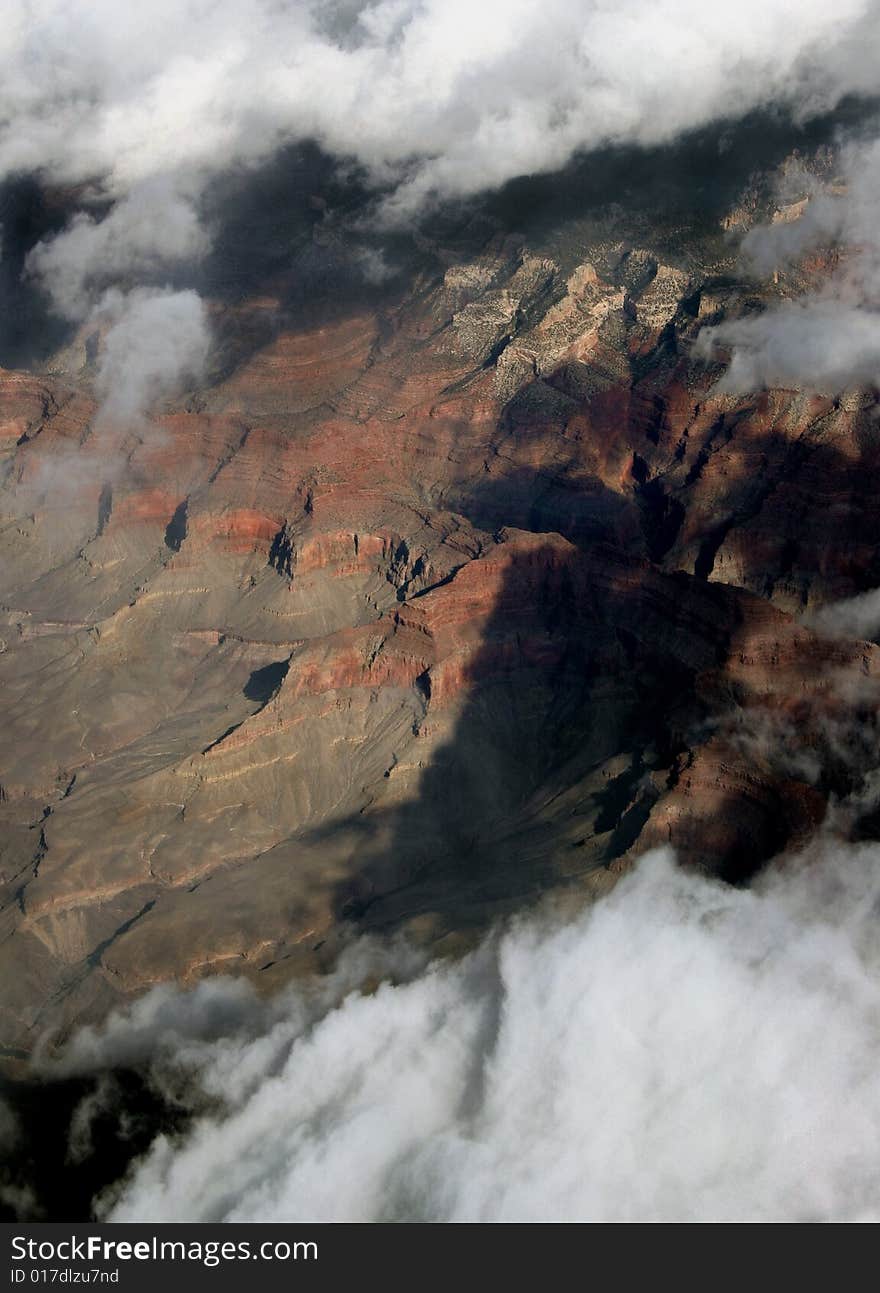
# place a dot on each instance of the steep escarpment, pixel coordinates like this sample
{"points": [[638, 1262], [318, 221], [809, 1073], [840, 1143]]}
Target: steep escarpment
{"points": [[430, 600]]}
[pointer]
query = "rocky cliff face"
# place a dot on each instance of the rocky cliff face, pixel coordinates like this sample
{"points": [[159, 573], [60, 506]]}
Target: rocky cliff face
{"points": [[439, 594]]}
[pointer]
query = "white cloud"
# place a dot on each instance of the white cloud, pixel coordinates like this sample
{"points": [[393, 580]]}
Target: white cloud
{"points": [[681, 1050], [157, 340], [476, 93]]}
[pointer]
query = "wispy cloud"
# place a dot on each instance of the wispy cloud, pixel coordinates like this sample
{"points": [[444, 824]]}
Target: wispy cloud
{"points": [[829, 339], [155, 341]]}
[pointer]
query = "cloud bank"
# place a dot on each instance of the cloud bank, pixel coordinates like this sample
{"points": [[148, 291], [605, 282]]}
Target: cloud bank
{"points": [[140, 108], [430, 96], [471, 94], [679, 1051]]}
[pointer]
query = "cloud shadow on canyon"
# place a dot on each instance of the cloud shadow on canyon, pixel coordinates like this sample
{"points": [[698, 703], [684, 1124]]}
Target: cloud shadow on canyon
{"points": [[300, 228]]}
